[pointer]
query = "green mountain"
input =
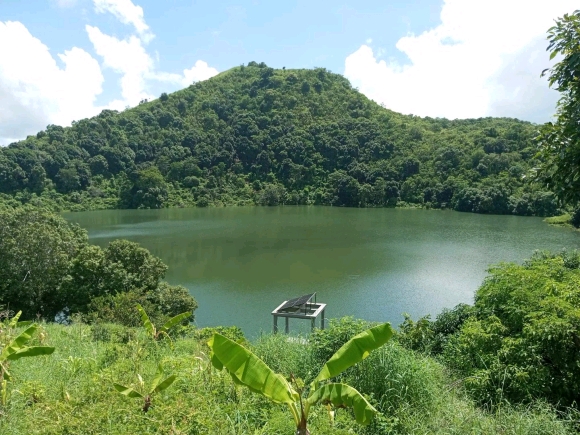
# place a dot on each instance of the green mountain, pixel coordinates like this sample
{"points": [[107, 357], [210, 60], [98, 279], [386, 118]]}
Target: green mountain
{"points": [[255, 135]]}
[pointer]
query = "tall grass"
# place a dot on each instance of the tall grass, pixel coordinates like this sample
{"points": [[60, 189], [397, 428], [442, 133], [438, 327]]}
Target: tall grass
{"points": [[70, 392]]}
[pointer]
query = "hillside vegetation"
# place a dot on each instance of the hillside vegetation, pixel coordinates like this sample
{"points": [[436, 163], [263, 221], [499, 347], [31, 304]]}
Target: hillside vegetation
{"points": [[255, 135]]}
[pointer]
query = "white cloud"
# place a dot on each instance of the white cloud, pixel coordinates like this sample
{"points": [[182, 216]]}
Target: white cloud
{"points": [[127, 57], [484, 59], [35, 91], [126, 12], [130, 58], [199, 72]]}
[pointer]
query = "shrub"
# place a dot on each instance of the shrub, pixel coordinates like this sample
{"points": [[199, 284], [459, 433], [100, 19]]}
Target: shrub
{"points": [[523, 342]]}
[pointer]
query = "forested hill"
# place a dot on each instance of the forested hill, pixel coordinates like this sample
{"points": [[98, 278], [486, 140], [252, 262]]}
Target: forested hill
{"points": [[255, 135]]}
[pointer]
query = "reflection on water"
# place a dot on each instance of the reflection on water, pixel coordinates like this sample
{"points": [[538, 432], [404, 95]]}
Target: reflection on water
{"points": [[240, 263]]}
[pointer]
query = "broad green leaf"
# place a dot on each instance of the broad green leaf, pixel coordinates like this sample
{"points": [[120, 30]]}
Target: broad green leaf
{"points": [[14, 320], [145, 320], [355, 350], [158, 377], [126, 391], [30, 351], [175, 321], [17, 344], [23, 323], [163, 385], [342, 395], [250, 370]]}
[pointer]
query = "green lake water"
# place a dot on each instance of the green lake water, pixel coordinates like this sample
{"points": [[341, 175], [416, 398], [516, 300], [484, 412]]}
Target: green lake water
{"points": [[242, 262]]}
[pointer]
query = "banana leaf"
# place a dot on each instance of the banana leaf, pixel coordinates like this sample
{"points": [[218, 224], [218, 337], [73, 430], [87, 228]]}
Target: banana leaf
{"points": [[146, 322], [354, 351], [18, 343], [158, 377], [126, 391], [30, 351], [249, 370], [175, 321], [163, 385], [14, 320], [344, 396]]}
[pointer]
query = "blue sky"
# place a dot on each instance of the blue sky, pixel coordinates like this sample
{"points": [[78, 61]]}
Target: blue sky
{"points": [[66, 59]]}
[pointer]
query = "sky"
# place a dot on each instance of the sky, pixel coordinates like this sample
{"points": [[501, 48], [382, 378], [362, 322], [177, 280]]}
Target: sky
{"points": [[64, 60]]}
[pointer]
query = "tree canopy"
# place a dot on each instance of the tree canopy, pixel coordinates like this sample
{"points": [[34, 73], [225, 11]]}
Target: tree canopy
{"points": [[256, 135], [47, 267], [560, 154]]}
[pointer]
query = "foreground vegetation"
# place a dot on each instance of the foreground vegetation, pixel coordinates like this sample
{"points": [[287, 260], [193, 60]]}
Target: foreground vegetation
{"points": [[72, 391], [507, 364]]}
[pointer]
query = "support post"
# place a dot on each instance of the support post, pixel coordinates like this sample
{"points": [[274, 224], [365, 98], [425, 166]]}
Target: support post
{"points": [[287, 325], [322, 319], [275, 324], [313, 324]]}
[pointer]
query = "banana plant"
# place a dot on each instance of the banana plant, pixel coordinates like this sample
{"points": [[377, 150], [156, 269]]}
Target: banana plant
{"points": [[247, 369], [156, 387], [157, 333], [17, 349]]}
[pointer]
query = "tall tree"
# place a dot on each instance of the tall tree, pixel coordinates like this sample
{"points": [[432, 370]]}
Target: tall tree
{"points": [[560, 140]]}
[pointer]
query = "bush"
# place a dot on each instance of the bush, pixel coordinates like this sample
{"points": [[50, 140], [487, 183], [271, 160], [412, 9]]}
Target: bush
{"points": [[431, 336], [162, 304], [523, 341]]}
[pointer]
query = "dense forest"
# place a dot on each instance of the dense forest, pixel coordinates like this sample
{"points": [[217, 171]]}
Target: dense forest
{"points": [[256, 135]]}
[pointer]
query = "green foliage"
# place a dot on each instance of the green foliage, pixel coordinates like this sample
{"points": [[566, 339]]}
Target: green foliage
{"points": [[519, 342], [560, 153], [326, 342], [36, 250], [16, 348], [247, 369], [47, 267], [155, 333], [255, 135], [431, 336], [157, 386], [71, 392]]}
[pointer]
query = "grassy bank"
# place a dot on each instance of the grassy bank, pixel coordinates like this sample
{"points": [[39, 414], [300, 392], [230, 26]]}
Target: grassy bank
{"points": [[71, 391]]}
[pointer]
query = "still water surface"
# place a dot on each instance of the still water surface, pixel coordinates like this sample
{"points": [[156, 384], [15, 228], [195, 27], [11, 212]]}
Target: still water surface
{"points": [[241, 262]]}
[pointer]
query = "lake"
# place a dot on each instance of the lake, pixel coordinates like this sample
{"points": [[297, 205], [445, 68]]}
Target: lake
{"points": [[240, 263]]}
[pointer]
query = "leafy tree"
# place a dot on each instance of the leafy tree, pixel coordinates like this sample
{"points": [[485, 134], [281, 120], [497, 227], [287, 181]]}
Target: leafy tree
{"points": [[560, 140], [36, 248], [48, 267], [149, 190]]}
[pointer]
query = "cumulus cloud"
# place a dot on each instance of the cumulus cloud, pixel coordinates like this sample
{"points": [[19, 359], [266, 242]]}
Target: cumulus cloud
{"points": [[127, 13], [127, 57], [484, 59], [35, 91], [200, 71]]}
